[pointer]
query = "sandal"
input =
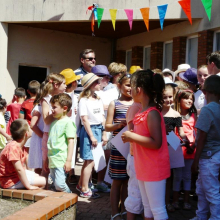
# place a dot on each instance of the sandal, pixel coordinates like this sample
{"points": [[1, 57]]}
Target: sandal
{"points": [[112, 217], [187, 206], [170, 208], [176, 205], [123, 213]]}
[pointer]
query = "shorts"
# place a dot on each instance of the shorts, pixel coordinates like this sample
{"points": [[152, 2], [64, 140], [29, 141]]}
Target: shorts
{"points": [[44, 146], [31, 178]]}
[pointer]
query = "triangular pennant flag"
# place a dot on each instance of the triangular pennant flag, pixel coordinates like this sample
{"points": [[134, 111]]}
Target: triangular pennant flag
{"points": [[208, 7], [162, 9], [186, 6], [95, 13], [99, 15], [129, 13], [113, 13], [145, 14]]}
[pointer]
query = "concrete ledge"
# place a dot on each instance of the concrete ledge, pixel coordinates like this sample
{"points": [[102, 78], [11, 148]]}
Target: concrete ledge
{"points": [[47, 203]]}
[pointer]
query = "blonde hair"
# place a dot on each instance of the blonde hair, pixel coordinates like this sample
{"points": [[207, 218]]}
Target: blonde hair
{"points": [[116, 68], [87, 93], [52, 78]]}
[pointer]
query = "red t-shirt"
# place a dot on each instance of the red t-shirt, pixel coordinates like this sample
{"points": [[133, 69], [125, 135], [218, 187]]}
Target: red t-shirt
{"points": [[14, 109], [8, 174], [26, 109]]}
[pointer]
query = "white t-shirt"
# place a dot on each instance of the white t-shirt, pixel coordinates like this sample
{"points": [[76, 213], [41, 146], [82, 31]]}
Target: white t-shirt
{"points": [[200, 100], [74, 98], [47, 99], [108, 95], [93, 109]]}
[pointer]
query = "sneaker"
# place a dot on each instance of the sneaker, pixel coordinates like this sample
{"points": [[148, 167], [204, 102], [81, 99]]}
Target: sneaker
{"points": [[187, 206], [80, 160], [170, 208], [89, 194], [102, 187], [176, 205], [78, 188], [92, 187], [50, 181]]}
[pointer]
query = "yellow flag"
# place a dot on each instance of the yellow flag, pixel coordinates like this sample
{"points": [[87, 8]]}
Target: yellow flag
{"points": [[113, 13]]}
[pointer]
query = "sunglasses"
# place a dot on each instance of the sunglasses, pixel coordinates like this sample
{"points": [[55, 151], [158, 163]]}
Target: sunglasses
{"points": [[127, 75], [90, 58]]}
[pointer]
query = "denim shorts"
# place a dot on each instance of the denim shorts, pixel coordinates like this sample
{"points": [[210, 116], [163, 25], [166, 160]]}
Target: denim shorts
{"points": [[86, 143]]}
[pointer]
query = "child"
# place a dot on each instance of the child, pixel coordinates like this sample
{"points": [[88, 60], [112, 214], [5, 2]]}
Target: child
{"points": [[4, 137], [91, 112], [54, 84], [61, 141], [207, 156], [15, 106], [184, 105], [13, 161], [172, 121], [151, 156], [117, 166]]}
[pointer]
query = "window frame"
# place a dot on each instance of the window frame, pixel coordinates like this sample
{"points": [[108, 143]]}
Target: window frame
{"points": [[187, 47], [126, 63], [215, 40], [166, 42], [144, 56]]}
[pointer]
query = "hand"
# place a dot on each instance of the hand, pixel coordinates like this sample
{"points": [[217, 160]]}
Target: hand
{"points": [[126, 136], [104, 139], [94, 141], [122, 124], [8, 138], [45, 166], [194, 167], [33, 187], [67, 166]]}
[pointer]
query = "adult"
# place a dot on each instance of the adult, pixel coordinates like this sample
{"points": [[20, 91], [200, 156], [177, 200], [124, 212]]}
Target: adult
{"points": [[168, 73], [87, 60], [181, 68], [213, 63]]}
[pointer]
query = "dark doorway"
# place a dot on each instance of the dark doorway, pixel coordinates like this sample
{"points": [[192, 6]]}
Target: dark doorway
{"points": [[28, 73]]}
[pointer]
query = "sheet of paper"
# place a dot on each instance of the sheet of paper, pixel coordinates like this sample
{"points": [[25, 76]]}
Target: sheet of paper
{"points": [[74, 154], [107, 178], [176, 157], [123, 148], [173, 140], [99, 157]]}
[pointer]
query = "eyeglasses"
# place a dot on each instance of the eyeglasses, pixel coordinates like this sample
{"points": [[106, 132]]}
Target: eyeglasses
{"points": [[90, 58], [127, 75]]}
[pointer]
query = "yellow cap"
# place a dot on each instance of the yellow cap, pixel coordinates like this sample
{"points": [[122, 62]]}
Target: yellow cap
{"points": [[70, 76], [134, 69]]}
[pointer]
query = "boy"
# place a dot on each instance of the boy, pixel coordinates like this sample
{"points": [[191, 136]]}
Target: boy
{"points": [[61, 141], [15, 106], [207, 156], [13, 161]]}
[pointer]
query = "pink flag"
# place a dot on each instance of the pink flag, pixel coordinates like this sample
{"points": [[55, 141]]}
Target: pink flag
{"points": [[129, 13]]}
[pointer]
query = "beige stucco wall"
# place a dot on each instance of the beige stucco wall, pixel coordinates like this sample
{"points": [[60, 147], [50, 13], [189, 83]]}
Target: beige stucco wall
{"points": [[53, 49]]}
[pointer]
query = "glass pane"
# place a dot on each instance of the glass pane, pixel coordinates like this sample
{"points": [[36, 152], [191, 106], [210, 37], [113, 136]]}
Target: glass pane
{"points": [[168, 54], [147, 58], [218, 41], [128, 59], [193, 52]]}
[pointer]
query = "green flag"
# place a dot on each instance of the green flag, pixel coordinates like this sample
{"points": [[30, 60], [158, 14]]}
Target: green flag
{"points": [[99, 15], [208, 7]]}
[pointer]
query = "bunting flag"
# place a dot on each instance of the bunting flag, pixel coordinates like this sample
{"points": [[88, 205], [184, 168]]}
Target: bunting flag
{"points": [[162, 9], [208, 7], [92, 23], [113, 13], [129, 13], [145, 14], [99, 15], [186, 6]]}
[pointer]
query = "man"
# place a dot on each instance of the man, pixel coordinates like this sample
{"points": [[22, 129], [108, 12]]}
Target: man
{"points": [[213, 63], [88, 60]]}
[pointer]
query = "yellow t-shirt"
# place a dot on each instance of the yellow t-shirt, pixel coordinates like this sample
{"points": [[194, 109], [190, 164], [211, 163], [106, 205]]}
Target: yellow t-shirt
{"points": [[3, 126]]}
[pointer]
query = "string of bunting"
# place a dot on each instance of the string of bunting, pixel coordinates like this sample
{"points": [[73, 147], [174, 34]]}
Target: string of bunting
{"points": [[98, 12]]}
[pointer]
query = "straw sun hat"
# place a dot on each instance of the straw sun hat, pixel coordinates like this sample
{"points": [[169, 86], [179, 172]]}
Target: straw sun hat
{"points": [[88, 79]]}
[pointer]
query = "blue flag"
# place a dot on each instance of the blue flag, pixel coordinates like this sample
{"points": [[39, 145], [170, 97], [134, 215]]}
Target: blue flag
{"points": [[162, 9]]}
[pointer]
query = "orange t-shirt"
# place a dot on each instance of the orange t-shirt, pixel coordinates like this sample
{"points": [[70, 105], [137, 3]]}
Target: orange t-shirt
{"points": [[150, 164], [8, 174]]}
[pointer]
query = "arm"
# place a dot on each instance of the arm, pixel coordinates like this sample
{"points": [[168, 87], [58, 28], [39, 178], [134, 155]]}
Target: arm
{"points": [[110, 114], [22, 175], [104, 137], [33, 125], [67, 165], [2, 132], [48, 118], [154, 126]]}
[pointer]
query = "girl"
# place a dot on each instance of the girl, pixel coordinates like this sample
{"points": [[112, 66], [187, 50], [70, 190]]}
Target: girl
{"points": [[54, 84], [184, 105], [37, 125], [151, 156], [4, 137], [117, 167], [91, 112], [172, 120]]}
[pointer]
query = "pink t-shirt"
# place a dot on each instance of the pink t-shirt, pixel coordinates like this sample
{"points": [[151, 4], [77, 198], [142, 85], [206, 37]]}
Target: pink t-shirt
{"points": [[150, 164]]}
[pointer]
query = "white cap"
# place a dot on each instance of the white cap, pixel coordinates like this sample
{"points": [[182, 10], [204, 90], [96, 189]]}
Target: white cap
{"points": [[182, 68], [169, 71], [168, 81]]}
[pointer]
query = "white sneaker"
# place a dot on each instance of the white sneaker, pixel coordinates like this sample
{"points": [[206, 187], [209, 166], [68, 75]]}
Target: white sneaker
{"points": [[80, 160]]}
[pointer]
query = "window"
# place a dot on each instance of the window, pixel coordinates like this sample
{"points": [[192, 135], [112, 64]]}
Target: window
{"points": [[128, 59], [192, 51], [216, 43], [146, 60], [167, 55]]}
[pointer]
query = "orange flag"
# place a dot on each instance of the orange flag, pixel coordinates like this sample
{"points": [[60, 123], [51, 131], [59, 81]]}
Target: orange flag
{"points": [[186, 6], [145, 14]]}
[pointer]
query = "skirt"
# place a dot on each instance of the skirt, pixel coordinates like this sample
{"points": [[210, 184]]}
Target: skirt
{"points": [[86, 144]]}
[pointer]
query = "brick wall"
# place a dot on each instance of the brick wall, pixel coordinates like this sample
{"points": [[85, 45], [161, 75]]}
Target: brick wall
{"points": [[156, 60], [120, 56], [179, 52], [205, 45], [137, 56]]}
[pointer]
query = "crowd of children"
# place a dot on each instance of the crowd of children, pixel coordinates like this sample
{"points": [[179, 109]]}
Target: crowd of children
{"points": [[38, 136]]}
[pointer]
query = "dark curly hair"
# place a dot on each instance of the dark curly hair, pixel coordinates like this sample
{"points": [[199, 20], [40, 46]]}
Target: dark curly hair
{"points": [[152, 84], [3, 103]]}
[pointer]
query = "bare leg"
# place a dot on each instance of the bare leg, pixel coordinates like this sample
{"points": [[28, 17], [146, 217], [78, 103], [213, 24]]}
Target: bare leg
{"points": [[186, 196], [39, 181], [168, 187], [130, 216], [124, 194], [175, 196], [45, 172]]}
